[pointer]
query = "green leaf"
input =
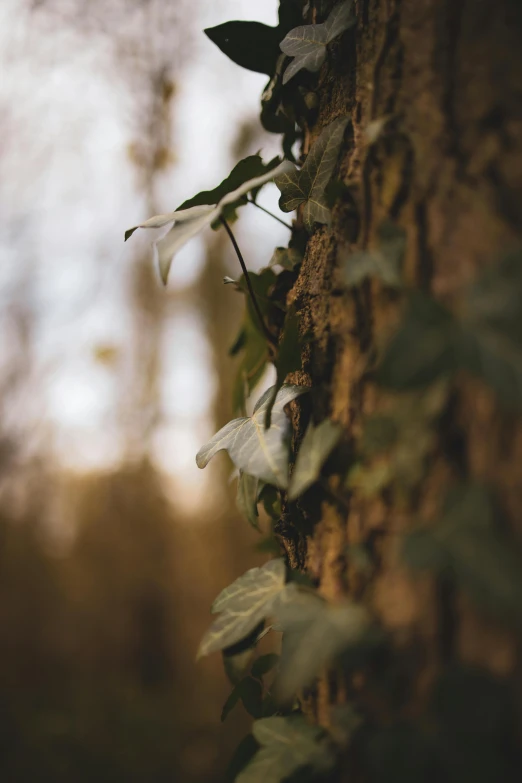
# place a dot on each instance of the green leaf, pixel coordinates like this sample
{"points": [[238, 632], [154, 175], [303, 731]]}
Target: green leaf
{"points": [[243, 755], [317, 445], [315, 633], [231, 702], [468, 545], [247, 169], [307, 185], [384, 262], [264, 664], [244, 604], [288, 359], [251, 45], [287, 745], [252, 448], [189, 221], [237, 664], [250, 692], [271, 500], [407, 434], [422, 350], [247, 492], [484, 337], [286, 257], [307, 44]]}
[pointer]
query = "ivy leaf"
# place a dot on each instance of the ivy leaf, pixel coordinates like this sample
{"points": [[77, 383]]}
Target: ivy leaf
{"points": [[316, 447], [243, 755], [253, 45], [190, 221], [250, 692], [307, 185], [249, 44], [422, 350], [468, 545], [384, 262], [265, 580], [307, 44], [247, 169], [247, 494], [244, 604], [287, 744], [286, 257], [252, 448], [264, 664], [484, 337], [288, 360], [315, 633]]}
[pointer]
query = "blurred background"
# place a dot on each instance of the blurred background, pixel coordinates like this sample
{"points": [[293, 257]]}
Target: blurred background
{"points": [[112, 543]]}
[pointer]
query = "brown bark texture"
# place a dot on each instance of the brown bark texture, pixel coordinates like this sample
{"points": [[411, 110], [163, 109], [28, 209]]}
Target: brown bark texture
{"points": [[434, 92]]}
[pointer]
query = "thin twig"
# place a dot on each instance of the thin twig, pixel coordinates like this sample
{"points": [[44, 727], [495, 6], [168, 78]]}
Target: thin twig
{"points": [[259, 314], [283, 223]]}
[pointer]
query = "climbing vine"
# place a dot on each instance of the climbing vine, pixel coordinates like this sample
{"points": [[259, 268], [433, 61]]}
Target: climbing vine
{"points": [[435, 344]]}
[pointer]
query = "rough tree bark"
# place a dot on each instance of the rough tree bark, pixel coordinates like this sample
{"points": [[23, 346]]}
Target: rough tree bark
{"points": [[447, 77]]}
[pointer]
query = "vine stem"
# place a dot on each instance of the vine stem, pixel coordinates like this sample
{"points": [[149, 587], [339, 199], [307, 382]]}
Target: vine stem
{"points": [[259, 314], [267, 211]]}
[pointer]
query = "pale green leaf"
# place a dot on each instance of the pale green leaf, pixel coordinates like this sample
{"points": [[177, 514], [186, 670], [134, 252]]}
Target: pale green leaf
{"points": [[307, 185], [315, 633], [307, 43], [252, 448], [287, 744], [260, 581], [189, 222], [315, 448], [246, 603], [383, 262]]}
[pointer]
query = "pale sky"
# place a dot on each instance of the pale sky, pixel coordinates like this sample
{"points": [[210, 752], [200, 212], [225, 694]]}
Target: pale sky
{"points": [[67, 193]]}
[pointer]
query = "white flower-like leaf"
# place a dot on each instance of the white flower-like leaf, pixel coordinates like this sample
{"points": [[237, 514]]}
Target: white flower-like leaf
{"points": [[187, 223]]}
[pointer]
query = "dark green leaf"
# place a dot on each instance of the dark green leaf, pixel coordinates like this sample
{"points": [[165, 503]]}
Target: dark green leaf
{"points": [[250, 692], [271, 500], [252, 448], [468, 544], [307, 44], [237, 664], [317, 445], [242, 756], [315, 633], [308, 184], [287, 744], [247, 492], [247, 169], [384, 262], [288, 359], [231, 702], [264, 664], [423, 348], [251, 45]]}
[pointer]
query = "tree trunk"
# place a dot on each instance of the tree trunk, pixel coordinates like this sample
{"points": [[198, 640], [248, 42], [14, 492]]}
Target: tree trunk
{"points": [[434, 92]]}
